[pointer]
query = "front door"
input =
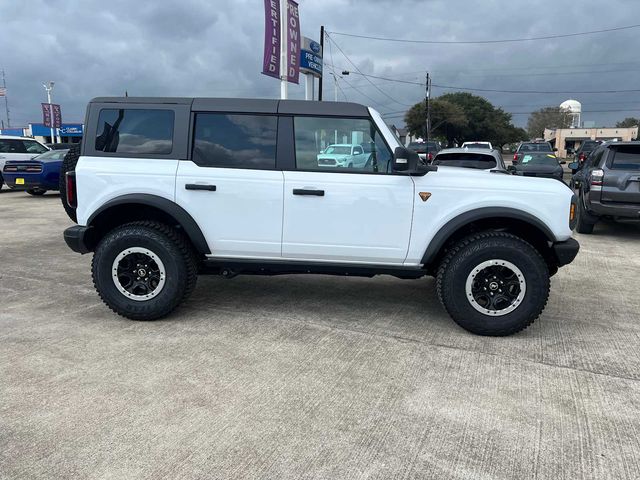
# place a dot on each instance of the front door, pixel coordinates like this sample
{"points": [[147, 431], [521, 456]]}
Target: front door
{"points": [[231, 187], [340, 214]]}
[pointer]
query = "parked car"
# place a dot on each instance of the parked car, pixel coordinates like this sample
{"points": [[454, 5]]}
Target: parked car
{"points": [[609, 185], [18, 148], [477, 158], [486, 145], [425, 150], [166, 188], [36, 176], [342, 155], [537, 164], [585, 149], [529, 147], [60, 146]]}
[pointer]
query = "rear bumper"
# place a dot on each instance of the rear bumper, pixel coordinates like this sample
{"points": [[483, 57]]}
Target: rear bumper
{"points": [[566, 251], [78, 238], [628, 210]]}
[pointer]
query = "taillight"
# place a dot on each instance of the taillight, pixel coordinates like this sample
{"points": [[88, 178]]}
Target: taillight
{"points": [[596, 178], [429, 156], [515, 158], [581, 157], [72, 197]]}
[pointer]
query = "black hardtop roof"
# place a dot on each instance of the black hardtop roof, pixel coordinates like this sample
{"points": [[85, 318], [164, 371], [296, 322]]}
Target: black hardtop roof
{"points": [[249, 105]]}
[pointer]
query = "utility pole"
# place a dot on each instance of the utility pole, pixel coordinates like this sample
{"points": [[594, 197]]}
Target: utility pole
{"points": [[428, 112], [322, 50], [6, 101], [49, 87]]}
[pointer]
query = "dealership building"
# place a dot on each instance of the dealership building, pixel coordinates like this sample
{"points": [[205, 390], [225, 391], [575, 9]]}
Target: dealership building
{"points": [[571, 138], [67, 133]]}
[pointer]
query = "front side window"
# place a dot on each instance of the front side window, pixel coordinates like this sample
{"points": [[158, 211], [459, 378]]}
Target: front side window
{"points": [[235, 141], [135, 131], [31, 146], [340, 145]]}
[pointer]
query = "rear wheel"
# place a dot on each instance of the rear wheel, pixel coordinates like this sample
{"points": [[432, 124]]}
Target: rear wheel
{"points": [[585, 222], [68, 164], [493, 283], [36, 192], [144, 270]]}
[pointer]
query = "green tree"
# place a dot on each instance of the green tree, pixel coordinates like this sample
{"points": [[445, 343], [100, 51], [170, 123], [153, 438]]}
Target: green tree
{"points": [[628, 122], [462, 116], [548, 117]]}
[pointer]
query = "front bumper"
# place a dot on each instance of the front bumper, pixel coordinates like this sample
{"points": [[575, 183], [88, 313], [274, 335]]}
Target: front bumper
{"points": [[565, 251], [78, 238]]}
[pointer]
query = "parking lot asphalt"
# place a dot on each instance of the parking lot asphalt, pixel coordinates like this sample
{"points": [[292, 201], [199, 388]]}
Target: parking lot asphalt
{"points": [[311, 376]]}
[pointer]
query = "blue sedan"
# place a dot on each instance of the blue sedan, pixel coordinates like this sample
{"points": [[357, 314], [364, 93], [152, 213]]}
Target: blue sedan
{"points": [[37, 175]]}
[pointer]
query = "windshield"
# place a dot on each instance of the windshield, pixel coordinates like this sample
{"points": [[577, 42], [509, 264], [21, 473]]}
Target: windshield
{"points": [[53, 155], [423, 147], [539, 159], [468, 160], [336, 150], [476, 145], [535, 147]]}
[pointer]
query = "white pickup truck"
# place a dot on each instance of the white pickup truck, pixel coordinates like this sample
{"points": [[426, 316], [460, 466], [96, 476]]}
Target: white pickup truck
{"points": [[166, 188]]}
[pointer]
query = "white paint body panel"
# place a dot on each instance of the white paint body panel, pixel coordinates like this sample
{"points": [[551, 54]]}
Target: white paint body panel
{"points": [[243, 217], [455, 191], [100, 179], [363, 218]]}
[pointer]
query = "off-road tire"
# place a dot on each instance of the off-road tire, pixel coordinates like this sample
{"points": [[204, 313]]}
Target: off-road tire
{"points": [[68, 165], [584, 222], [36, 192], [173, 249], [465, 255]]}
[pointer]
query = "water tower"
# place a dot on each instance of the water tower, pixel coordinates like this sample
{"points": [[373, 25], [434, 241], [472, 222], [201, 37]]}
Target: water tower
{"points": [[574, 109]]}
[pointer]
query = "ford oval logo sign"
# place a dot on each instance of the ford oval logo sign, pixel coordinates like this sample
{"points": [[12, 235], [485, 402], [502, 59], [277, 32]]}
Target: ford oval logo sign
{"points": [[315, 47]]}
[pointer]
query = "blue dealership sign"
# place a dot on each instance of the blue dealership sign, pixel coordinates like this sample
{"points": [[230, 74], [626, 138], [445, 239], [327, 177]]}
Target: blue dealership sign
{"points": [[65, 130], [311, 57]]}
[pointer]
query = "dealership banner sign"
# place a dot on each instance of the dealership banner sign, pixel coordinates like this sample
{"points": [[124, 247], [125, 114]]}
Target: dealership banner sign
{"points": [[51, 115], [272, 27], [293, 42]]}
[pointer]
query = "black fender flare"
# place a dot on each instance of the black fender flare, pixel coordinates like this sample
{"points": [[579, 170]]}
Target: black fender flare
{"points": [[470, 216], [172, 209]]}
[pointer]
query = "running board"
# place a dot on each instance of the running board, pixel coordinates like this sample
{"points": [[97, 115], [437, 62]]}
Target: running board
{"points": [[229, 268]]}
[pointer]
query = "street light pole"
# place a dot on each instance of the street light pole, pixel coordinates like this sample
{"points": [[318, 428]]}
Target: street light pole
{"points": [[49, 87]]}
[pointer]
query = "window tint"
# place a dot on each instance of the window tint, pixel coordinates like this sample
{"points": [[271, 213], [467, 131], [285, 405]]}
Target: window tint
{"points": [[31, 146], [535, 147], [626, 157], [326, 144], [12, 146], [468, 160], [539, 159], [135, 131], [237, 141]]}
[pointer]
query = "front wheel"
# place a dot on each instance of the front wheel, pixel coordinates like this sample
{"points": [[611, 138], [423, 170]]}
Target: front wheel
{"points": [[493, 283], [144, 270]]}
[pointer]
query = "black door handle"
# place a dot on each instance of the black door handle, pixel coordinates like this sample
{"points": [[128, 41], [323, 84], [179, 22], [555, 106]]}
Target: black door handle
{"points": [[304, 191], [198, 186]]}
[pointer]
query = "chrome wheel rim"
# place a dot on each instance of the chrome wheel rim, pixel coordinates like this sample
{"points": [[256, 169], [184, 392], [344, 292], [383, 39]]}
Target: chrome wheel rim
{"points": [[495, 287], [138, 273]]}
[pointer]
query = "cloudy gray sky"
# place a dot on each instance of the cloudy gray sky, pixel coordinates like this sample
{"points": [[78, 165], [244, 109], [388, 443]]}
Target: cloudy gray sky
{"points": [[214, 48]]}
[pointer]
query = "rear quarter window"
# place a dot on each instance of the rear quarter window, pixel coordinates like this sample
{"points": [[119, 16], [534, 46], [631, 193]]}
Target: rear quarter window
{"points": [[135, 131], [468, 160], [626, 157]]}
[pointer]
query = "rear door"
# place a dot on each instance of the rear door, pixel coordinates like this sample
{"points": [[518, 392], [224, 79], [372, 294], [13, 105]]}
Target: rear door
{"points": [[621, 183], [359, 214], [230, 185]]}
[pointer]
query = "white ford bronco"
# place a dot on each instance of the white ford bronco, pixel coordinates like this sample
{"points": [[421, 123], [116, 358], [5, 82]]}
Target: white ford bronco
{"points": [[164, 189]]}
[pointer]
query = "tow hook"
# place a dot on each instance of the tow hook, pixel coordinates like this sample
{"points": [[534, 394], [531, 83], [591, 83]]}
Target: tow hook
{"points": [[228, 273]]}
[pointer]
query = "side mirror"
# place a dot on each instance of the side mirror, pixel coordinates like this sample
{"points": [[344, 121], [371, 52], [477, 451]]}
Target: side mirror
{"points": [[555, 149], [574, 165], [408, 161]]}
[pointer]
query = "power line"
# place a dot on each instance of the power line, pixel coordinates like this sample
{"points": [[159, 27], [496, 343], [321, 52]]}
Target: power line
{"points": [[359, 71], [568, 92], [401, 114], [469, 42]]}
